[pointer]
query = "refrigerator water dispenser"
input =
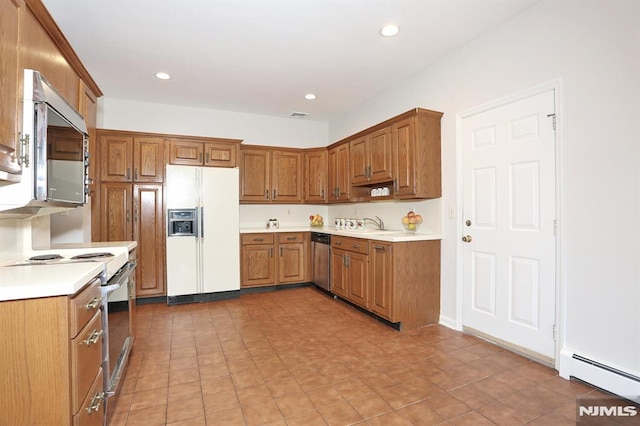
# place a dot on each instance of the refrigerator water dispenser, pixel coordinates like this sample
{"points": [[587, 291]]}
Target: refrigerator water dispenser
{"points": [[182, 222]]}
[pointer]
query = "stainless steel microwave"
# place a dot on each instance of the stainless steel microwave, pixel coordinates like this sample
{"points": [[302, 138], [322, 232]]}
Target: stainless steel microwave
{"points": [[60, 144]]}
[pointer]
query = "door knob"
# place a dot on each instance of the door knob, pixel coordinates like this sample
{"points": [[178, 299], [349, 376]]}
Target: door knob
{"points": [[466, 238]]}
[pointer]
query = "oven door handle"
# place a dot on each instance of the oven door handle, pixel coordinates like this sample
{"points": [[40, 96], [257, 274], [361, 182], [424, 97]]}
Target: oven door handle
{"points": [[121, 277]]}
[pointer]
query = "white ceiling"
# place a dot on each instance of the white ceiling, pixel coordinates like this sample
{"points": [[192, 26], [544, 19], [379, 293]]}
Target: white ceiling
{"points": [[262, 56]]}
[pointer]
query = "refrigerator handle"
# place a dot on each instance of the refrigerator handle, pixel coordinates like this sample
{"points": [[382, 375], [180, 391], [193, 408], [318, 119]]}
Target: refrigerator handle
{"points": [[202, 222]]}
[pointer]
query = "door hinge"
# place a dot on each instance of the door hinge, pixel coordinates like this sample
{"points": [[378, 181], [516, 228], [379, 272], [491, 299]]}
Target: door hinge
{"points": [[554, 332], [553, 117], [555, 227]]}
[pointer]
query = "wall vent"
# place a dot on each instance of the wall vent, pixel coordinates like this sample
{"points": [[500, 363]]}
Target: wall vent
{"points": [[297, 114]]}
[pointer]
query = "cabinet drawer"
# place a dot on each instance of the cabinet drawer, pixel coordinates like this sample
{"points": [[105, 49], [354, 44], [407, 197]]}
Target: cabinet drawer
{"points": [[84, 306], [86, 358], [358, 245], [91, 412], [248, 239], [290, 237]]}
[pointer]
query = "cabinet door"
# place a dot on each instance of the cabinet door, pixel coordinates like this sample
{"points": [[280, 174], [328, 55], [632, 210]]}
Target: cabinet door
{"points": [[149, 232], [358, 278], [286, 181], [11, 12], [255, 174], [359, 155], [115, 212], [148, 156], [186, 153], [116, 158], [404, 152], [338, 272], [344, 183], [381, 266], [258, 265], [380, 157], [315, 177], [221, 154], [291, 266]]}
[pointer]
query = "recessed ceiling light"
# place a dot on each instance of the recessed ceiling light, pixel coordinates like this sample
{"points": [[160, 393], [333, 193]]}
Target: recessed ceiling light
{"points": [[310, 96], [163, 76], [389, 30]]}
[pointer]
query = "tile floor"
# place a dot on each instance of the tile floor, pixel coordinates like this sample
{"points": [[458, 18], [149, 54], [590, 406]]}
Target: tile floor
{"points": [[298, 357]]}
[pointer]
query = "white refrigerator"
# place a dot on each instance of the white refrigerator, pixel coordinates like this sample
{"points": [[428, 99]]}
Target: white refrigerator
{"points": [[205, 266]]}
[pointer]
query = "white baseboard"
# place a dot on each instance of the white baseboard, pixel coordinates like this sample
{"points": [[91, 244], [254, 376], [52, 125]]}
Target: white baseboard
{"points": [[449, 322], [599, 374]]}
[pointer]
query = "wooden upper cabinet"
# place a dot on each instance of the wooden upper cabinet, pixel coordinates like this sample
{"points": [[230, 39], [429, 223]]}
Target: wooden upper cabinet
{"points": [[359, 156], [315, 176], [371, 159], [286, 177], [255, 175], [186, 153], [11, 13], [221, 154], [148, 159], [116, 158], [126, 158], [268, 175], [213, 153], [380, 156], [339, 177], [416, 155]]}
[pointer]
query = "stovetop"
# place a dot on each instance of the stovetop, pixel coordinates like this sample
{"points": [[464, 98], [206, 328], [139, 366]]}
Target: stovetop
{"points": [[114, 258]]}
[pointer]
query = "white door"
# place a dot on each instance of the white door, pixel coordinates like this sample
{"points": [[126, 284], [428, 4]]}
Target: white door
{"points": [[509, 217], [182, 268], [221, 230]]}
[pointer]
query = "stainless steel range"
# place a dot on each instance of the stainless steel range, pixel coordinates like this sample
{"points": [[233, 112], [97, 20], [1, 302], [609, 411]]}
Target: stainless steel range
{"points": [[118, 302]]}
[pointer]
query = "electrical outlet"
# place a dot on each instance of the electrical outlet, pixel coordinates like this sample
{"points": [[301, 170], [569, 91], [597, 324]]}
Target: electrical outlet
{"points": [[288, 212]]}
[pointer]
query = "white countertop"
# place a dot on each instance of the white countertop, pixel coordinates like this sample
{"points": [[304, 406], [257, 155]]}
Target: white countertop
{"points": [[32, 281], [54, 279], [370, 234]]}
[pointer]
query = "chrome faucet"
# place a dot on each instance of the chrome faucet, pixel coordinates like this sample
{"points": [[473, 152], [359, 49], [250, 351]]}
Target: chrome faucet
{"points": [[379, 223]]}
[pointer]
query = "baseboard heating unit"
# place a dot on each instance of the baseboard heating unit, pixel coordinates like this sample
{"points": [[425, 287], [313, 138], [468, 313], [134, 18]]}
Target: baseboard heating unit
{"points": [[614, 380]]}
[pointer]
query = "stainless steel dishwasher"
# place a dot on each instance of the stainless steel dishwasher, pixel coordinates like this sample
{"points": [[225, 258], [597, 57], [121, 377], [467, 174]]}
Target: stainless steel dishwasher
{"points": [[320, 246]]}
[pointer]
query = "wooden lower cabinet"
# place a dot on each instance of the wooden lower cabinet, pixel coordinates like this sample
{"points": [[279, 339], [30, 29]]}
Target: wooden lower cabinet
{"points": [[149, 232], [358, 278], [269, 259], [399, 282], [381, 266], [134, 212], [51, 360], [257, 260]]}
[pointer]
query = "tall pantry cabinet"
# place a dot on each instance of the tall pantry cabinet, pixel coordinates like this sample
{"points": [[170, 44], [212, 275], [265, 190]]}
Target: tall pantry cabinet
{"points": [[131, 202]]}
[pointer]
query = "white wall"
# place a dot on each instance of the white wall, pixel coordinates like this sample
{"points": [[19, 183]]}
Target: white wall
{"points": [[253, 129], [593, 46]]}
